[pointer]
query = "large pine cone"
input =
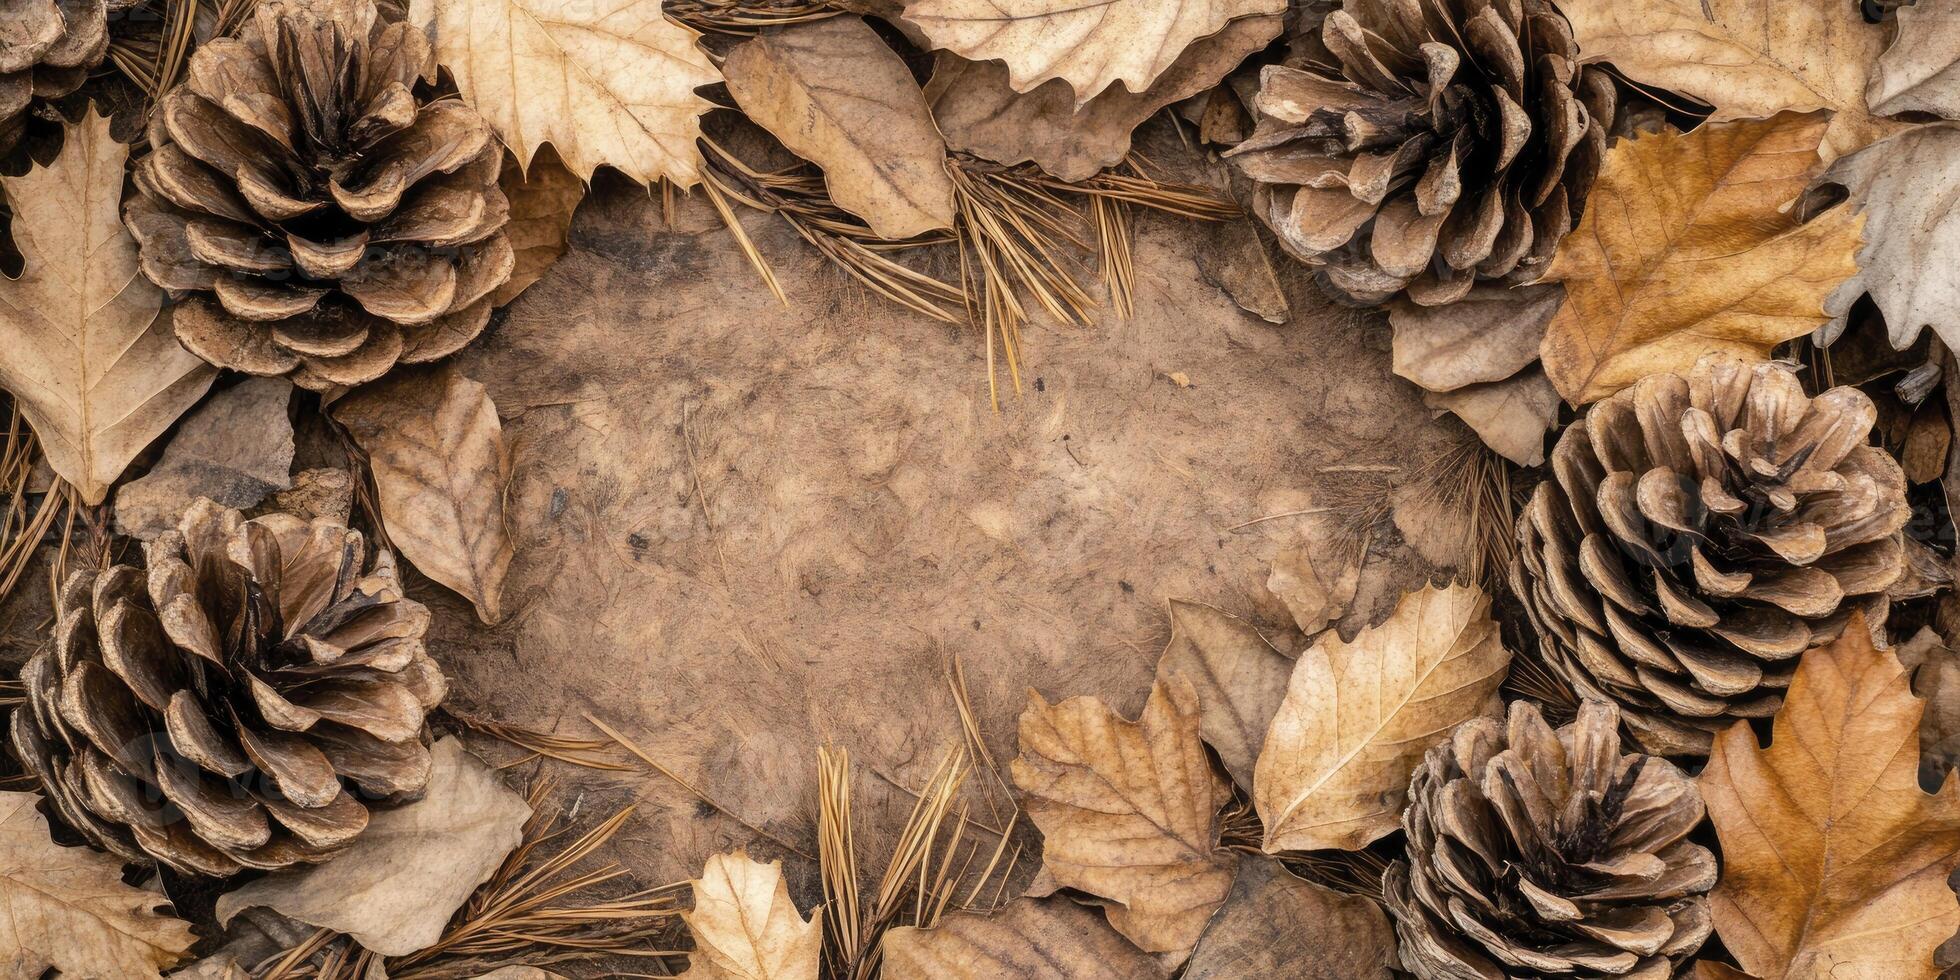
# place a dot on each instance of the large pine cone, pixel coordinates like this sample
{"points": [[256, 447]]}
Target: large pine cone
{"points": [[1455, 141], [46, 50], [1535, 853], [327, 219], [225, 709], [1698, 534]]}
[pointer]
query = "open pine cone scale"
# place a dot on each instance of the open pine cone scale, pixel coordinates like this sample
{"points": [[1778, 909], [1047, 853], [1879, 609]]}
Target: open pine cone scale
{"points": [[331, 223], [222, 709], [1454, 141]]}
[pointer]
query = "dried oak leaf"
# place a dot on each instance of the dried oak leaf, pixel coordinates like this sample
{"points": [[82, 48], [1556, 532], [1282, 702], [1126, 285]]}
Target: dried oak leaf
{"points": [[1030, 939], [95, 371], [1749, 59], [981, 113], [1688, 247], [1358, 716], [604, 81], [837, 96], [1238, 676], [1834, 860], [437, 451], [1090, 46], [1276, 926], [1128, 811], [235, 449], [67, 909], [1920, 72], [745, 926], [542, 202], [1910, 262], [395, 887]]}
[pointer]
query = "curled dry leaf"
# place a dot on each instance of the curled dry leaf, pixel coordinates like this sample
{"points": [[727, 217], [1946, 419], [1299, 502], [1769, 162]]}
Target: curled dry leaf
{"points": [[1474, 359], [1358, 716], [1128, 811], [603, 81], [1511, 416], [437, 452], [1089, 46], [1920, 72], [981, 113], [837, 96], [95, 371], [235, 449], [1834, 860], [1935, 669], [1277, 927], [1749, 59], [395, 887], [1238, 676], [542, 199], [1689, 247], [746, 928], [1030, 939], [66, 909], [1910, 262]]}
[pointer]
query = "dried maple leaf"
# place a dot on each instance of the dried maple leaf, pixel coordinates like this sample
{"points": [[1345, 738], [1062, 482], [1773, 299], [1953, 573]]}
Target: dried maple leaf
{"points": [[1910, 262], [1358, 716], [1276, 926], [1920, 72], [96, 373], [437, 451], [1238, 676], [1128, 811], [67, 909], [1688, 246], [1834, 860], [837, 96], [543, 199], [1088, 45], [1748, 58], [1030, 939], [604, 81], [746, 928]]}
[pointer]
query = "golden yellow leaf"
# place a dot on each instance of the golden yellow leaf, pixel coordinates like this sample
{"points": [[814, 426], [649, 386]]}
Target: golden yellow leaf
{"points": [[1089, 45], [837, 96], [1128, 811], [746, 928], [1358, 716], [1748, 58], [1834, 860], [96, 373], [1687, 247], [67, 908], [604, 81]]}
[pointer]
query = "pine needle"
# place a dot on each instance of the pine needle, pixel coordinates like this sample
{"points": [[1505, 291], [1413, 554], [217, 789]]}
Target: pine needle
{"points": [[576, 751], [745, 17], [642, 755]]}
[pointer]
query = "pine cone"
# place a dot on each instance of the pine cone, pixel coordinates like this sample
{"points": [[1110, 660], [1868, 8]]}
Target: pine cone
{"points": [[326, 221], [1444, 149], [1541, 853], [1698, 534], [224, 709], [46, 52]]}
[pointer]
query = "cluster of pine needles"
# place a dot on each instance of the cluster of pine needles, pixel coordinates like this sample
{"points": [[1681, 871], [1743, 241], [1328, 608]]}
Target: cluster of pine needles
{"points": [[743, 17], [153, 57]]}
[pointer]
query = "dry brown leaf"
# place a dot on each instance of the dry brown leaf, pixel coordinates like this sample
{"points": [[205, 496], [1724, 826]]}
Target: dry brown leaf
{"points": [[1238, 676], [1128, 811], [1711, 970], [235, 449], [837, 96], [1358, 716], [396, 886], [1834, 860], [437, 451], [1090, 46], [1683, 251], [542, 201], [67, 909], [95, 371], [604, 81], [1920, 72], [1490, 334], [1300, 581], [1750, 59], [981, 113], [746, 928], [1910, 262], [1030, 939], [1935, 671], [1510, 416], [1276, 926]]}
